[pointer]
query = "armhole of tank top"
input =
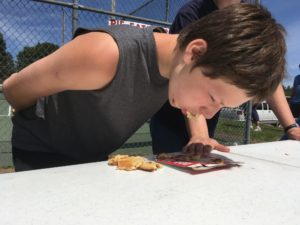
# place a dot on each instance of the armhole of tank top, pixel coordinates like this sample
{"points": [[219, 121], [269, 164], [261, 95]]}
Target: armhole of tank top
{"points": [[81, 31]]}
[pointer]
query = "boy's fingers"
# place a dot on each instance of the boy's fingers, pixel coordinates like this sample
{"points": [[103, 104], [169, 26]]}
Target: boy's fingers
{"points": [[222, 148], [207, 150], [193, 148]]}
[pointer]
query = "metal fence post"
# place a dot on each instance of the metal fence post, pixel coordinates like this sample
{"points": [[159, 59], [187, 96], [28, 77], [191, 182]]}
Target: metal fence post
{"points": [[167, 10], [75, 15], [113, 8], [247, 136], [63, 26]]}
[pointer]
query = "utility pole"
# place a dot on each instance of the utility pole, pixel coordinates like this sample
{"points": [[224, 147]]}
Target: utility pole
{"points": [[74, 16], [63, 26], [113, 7], [167, 10]]}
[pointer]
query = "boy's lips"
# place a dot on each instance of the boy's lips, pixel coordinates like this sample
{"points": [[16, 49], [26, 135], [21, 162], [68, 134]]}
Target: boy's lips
{"points": [[190, 115], [184, 111]]}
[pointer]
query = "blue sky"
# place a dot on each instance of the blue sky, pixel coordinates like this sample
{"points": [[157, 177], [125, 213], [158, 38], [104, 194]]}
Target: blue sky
{"points": [[25, 23], [288, 14]]}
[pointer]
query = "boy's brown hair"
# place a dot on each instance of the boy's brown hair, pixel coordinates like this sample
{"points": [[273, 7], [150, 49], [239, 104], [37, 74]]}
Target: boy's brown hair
{"points": [[245, 47]]}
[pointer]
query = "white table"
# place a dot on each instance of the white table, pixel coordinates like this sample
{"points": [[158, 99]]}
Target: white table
{"points": [[264, 191]]}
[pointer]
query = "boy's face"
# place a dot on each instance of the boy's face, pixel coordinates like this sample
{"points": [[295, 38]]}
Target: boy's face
{"points": [[192, 92]]}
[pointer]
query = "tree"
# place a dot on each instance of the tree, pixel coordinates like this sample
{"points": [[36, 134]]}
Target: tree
{"points": [[287, 90], [31, 54], [6, 61]]}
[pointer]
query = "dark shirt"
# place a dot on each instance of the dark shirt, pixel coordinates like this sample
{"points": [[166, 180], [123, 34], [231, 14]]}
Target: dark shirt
{"points": [[296, 90], [190, 12]]}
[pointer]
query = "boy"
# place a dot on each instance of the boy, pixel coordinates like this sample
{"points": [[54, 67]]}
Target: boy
{"points": [[85, 100], [187, 135]]}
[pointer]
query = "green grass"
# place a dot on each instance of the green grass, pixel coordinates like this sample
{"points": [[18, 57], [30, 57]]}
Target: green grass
{"points": [[229, 131], [226, 126], [269, 133]]}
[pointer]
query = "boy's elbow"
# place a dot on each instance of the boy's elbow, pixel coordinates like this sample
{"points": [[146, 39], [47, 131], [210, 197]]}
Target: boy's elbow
{"points": [[6, 86], [8, 92]]}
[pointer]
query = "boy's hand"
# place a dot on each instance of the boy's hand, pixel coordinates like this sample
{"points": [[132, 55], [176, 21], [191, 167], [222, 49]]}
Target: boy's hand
{"points": [[203, 146]]}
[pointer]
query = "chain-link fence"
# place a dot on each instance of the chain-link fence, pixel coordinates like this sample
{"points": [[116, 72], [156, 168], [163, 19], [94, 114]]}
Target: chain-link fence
{"points": [[5, 132], [234, 125], [31, 29]]}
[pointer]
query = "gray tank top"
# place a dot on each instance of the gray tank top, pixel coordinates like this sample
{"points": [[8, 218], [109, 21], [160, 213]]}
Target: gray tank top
{"points": [[89, 125]]}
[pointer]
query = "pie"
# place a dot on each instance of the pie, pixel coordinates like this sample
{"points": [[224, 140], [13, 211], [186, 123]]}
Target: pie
{"points": [[129, 163]]}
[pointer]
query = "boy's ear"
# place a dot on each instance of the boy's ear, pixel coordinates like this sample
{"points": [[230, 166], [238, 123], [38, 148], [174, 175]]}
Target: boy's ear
{"points": [[194, 49]]}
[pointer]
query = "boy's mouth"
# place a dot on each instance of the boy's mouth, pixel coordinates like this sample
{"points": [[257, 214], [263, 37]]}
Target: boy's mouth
{"points": [[190, 115], [185, 112]]}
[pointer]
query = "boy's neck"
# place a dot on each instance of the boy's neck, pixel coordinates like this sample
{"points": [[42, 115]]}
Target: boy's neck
{"points": [[165, 45]]}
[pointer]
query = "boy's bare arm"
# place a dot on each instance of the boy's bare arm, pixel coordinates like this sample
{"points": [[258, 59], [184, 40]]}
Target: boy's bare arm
{"points": [[88, 62]]}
